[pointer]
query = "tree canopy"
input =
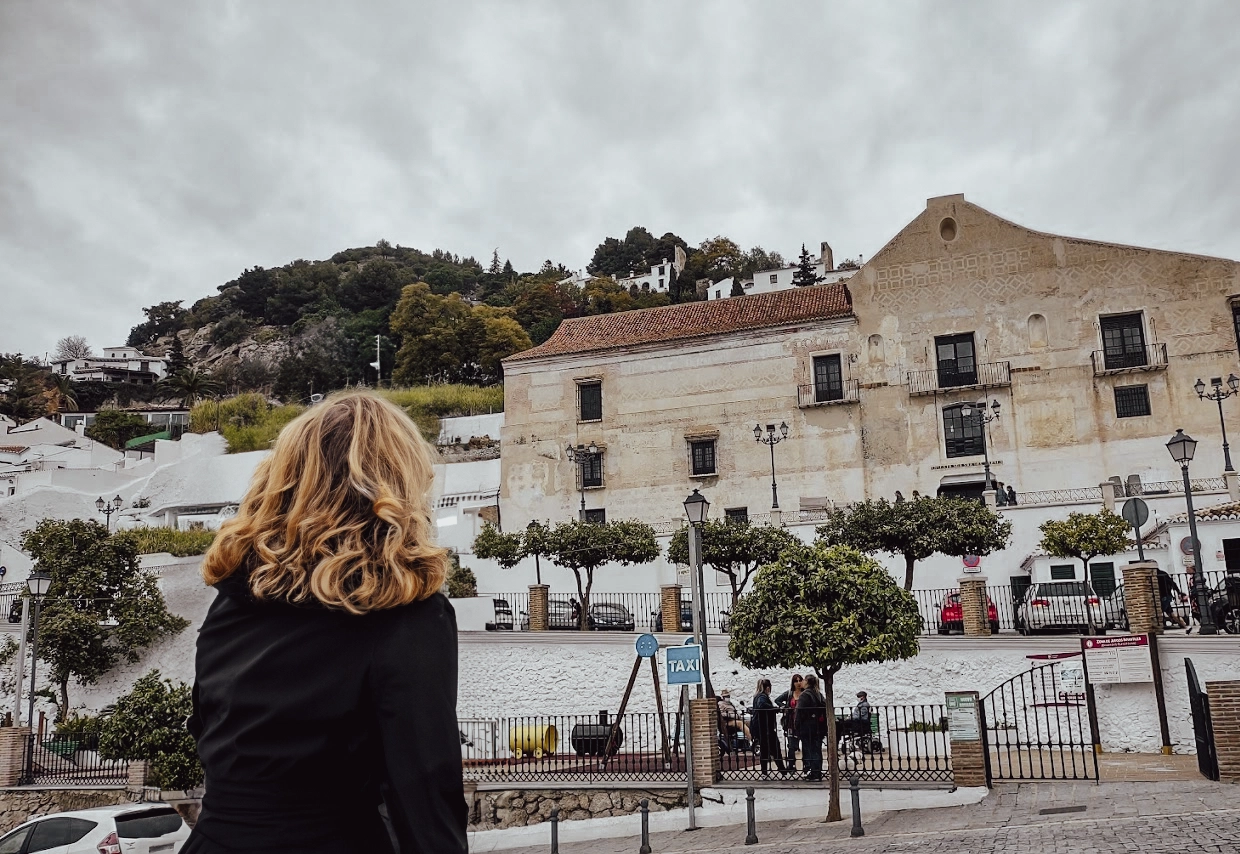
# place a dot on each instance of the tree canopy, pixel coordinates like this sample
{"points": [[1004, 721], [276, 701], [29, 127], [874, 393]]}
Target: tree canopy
{"points": [[101, 607], [1085, 536], [149, 723], [824, 607], [736, 549], [806, 272], [917, 529], [114, 428], [72, 347], [583, 547]]}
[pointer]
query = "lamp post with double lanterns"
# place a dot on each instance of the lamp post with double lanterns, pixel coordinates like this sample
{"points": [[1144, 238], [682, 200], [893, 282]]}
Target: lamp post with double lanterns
{"points": [[1182, 447], [107, 508], [583, 456], [771, 439], [38, 584], [978, 411], [696, 507], [1218, 394]]}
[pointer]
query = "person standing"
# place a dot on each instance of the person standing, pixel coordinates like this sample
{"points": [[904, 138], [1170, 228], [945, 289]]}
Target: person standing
{"points": [[764, 713], [810, 714], [326, 671], [1167, 590], [788, 702]]}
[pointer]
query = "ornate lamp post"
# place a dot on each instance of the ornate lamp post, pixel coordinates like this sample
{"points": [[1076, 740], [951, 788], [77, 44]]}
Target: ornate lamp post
{"points": [[1218, 394], [584, 456], [771, 440], [38, 584], [1182, 447], [107, 508], [696, 507], [978, 411]]}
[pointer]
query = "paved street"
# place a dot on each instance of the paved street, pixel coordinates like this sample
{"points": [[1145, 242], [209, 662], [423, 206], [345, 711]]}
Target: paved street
{"points": [[1113, 818]]}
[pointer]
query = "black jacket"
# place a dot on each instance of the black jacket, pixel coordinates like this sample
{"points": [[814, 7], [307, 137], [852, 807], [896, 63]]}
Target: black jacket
{"points": [[810, 707], [308, 718], [764, 714]]}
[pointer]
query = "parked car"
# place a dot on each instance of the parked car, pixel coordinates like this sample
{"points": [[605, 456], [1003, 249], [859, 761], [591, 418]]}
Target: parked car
{"points": [[686, 618], [951, 615], [129, 828], [611, 617], [1225, 605], [1059, 605], [561, 617], [1115, 610]]}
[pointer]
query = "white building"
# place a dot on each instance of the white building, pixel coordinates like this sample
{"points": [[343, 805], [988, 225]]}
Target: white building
{"points": [[117, 364], [659, 277], [780, 279]]}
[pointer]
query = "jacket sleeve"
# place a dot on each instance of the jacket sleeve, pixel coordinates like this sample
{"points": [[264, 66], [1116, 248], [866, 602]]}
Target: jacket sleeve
{"points": [[413, 684]]}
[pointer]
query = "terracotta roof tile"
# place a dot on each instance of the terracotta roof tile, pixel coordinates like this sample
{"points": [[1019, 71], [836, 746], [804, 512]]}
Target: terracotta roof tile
{"points": [[1217, 513], [692, 320]]}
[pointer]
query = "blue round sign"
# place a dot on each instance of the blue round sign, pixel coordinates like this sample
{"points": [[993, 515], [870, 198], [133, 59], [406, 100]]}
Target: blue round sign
{"points": [[647, 645]]}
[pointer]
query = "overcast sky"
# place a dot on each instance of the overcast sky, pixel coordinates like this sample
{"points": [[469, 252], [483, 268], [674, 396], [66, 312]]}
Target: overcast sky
{"points": [[152, 150]]}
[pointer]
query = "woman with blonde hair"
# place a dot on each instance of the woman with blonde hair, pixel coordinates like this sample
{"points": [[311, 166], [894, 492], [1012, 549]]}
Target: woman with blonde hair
{"points": [[327, 665]]}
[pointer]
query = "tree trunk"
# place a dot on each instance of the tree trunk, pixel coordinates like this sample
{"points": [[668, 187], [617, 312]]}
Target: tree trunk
{"points": [[909, 563], [585, 601], [1089, 585], [63, 712], [833, 753]]}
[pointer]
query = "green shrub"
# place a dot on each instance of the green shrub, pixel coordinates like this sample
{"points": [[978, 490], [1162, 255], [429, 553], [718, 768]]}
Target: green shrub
{"points": [[82, 727], [447, 400], [177, 543], [149, 723], [462, 583], [247, 422]]}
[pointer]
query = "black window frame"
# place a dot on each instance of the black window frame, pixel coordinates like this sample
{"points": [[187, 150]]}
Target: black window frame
{"points": [[1061, 577], [590, 471], [736, 515], [703, 460], [828, 374], [1123, 340], [1235, 322], [590, 394], [962, 437], [1132, 401], [958, 368], [594, 516]]}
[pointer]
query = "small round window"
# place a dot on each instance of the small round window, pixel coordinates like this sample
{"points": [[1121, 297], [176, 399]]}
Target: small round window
{"points": [[947, 229]]}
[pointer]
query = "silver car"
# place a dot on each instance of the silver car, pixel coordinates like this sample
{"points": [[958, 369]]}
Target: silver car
{"points": [[1059, 605]]}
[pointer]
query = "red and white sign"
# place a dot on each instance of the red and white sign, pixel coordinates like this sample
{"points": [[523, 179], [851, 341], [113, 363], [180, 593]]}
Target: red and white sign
{"points": [[972, 561], [1123, 658]]}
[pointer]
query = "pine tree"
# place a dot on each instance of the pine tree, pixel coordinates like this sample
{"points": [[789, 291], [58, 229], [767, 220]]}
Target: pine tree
{"points": [[738, 290], [177, 361], [805, 273]]}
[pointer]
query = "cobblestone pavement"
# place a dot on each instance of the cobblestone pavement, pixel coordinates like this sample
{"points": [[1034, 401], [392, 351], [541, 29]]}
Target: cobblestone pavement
{"points": [[1117, 818]]}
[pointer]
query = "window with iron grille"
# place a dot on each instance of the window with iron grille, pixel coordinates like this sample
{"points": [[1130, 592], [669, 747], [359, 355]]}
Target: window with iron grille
{"points": [[1123, 341], [962, 435], [703, 453], [1131, 401], [828, 378], [589, 401], [595, 517], [955, 359], [591, 470], [737, 515], [774, 278], [1063, 572]]}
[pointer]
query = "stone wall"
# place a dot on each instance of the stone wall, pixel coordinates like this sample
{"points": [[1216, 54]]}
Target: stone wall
{"points": [[19, 805], [519, 807]]}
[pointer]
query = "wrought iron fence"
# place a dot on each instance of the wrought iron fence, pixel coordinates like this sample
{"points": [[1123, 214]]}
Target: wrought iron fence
{"points": [[1061, 496], [898, 744], [988, 375], [73, 760], [616, 612], [573, 748], [849, 391]]}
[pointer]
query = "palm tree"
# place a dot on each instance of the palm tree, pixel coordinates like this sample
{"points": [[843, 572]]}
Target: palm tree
{"points": [[190, 385], [61, 396]]}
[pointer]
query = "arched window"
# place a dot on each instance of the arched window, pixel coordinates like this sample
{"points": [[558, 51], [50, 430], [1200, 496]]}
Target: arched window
{"points": [[1037, 331]]}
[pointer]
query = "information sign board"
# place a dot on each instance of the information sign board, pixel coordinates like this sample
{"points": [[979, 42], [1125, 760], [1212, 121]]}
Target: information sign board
{"points": [[962, 722], [1123, 658]]}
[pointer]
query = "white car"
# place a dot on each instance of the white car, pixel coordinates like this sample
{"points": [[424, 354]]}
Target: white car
{"points": [[1059, 605], [124, 829]]}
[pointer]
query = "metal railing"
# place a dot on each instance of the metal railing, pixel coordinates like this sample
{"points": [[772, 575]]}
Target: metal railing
{"points": [[1151, 357], [621, 612], [1079, 495], [987, 375], [69, 760], [573, 748], [898, 744], [849, 391]]}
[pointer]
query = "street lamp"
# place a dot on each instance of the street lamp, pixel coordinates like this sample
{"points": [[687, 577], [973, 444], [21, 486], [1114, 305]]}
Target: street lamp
{"points": [[107, 508], [696, 507], [1182, 447], [584, 456], [978, 409], [771, 440], [1218, 394], [37, 583]]}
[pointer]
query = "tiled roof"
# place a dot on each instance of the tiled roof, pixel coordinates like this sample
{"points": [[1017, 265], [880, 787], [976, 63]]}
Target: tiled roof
{"points": [[13, 449], [1217, 513], [692, 320]]}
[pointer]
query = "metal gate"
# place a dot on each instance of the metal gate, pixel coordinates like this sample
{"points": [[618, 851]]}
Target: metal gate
{"points": [[1038, 726], [1203, 726]]}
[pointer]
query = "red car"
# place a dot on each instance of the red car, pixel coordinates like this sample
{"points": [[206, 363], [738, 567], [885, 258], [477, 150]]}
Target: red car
{"points": [[951, 615]]}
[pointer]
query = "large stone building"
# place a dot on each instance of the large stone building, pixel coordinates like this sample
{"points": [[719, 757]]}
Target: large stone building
{"points": [[1090, 349]]}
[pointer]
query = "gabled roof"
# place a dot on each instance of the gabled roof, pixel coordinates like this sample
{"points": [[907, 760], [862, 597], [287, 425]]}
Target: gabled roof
{"points": [[692, 320], [1218, 513]]}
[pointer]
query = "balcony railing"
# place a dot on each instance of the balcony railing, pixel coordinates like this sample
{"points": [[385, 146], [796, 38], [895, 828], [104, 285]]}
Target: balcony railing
{"points": [[822, 395], [988, 375], [1151, 357]]}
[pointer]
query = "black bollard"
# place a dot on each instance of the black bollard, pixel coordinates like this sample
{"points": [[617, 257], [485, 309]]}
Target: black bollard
{"points": [[751, 837], [854, 787], [555, 830], [645, 849]]}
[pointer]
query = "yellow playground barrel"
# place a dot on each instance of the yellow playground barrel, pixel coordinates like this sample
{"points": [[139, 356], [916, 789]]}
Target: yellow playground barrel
{"points": [[537, 739]]}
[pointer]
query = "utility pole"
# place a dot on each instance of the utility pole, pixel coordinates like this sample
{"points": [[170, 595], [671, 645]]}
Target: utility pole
{"points": [[377, 362]]}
